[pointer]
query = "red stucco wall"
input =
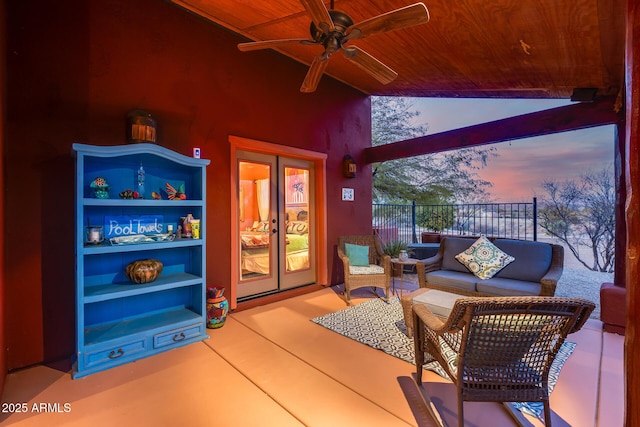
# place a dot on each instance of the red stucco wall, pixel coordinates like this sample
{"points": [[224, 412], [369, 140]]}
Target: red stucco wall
{"points": [[75, 68], [3, 352]]}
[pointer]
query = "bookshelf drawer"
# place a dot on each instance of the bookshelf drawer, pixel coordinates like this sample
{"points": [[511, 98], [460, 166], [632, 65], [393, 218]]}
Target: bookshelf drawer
{"points": [[178, 335], [116, 353]]}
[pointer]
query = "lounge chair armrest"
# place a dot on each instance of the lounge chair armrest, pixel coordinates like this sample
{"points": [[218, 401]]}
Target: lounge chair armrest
{"points": [[345, 260], [430, 320], [433, 263], [425, 266], [385, 262], [550, 280], [422, 281]]}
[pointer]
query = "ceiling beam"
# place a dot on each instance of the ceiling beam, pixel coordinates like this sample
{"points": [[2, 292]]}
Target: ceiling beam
{"points": [[555, 120]]}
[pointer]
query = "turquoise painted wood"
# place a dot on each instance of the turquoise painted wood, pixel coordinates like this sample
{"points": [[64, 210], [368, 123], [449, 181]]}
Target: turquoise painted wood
{"points": [[117, 320]]}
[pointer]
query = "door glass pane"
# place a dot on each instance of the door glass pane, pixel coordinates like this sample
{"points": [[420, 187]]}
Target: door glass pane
{"points": [[297, 218], [254, 204]]}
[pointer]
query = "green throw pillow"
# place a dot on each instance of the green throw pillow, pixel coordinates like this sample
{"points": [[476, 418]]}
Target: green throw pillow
{"points": [[484, 259], [358, 255]]}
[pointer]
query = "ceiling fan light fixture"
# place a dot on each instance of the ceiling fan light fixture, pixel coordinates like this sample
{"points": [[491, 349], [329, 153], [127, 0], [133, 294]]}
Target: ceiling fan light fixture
{"points": [[341, 21]]}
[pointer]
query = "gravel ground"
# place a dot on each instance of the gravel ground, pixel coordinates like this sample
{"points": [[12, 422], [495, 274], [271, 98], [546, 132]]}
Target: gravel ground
{"points": [[577, 280], [583, 283]]}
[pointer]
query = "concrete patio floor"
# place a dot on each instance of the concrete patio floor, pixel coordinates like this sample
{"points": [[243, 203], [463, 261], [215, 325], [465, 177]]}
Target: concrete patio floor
{"points": [[271, 366]]}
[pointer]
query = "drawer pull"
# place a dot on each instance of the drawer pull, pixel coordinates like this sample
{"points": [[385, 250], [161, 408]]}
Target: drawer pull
{"points": [[116, 353], [179, 337]]}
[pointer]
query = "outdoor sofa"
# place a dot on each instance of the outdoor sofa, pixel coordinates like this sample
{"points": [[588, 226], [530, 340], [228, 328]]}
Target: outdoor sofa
{"points": [[536, 269]]}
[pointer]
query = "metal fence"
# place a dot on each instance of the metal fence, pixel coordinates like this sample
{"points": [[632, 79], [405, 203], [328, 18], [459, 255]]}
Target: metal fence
{"points": [[407, 222]]}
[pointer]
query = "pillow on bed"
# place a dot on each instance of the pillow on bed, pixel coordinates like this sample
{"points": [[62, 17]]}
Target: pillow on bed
{"points": [[260, 226], [297, 227], [358, 255]]}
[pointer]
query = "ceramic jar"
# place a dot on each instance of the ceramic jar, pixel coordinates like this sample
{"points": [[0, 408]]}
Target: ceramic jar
{"points": [[217, 308]]}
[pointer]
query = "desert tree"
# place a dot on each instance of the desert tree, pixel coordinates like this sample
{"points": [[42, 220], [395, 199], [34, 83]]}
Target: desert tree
{"points": [[581, 213], [438, 178]]}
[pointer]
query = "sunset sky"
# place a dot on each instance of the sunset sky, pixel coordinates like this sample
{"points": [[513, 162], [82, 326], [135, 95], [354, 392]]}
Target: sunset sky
{"points": [[522, 165]]}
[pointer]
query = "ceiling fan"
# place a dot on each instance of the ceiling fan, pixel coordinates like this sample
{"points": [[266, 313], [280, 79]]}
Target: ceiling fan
{"points": [[334, 29]]}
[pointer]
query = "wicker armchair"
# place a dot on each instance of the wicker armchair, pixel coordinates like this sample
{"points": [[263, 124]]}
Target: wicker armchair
{"points": [[377, 275], [504, 345]]}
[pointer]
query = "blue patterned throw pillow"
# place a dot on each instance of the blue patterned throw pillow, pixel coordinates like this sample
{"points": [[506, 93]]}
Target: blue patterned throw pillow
{"points": [[484, 259]]}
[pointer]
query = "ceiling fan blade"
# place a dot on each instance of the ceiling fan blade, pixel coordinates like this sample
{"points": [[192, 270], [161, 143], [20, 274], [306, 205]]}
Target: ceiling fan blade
{"points": [[319, 14], [371, 65], [314, 74], [396, 19], [271, 44]]}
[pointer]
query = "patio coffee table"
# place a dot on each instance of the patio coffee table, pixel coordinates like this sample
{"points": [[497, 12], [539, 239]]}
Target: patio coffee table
{"points": [[438, 302]]}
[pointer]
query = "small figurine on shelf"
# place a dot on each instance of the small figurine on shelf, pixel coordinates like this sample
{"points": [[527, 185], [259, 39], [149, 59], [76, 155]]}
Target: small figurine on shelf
{"points": [[100, 187], [128, 194], [141, 174], [187, 230], [174, 194]]}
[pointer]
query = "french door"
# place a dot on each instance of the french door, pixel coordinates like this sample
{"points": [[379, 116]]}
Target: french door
{"points": [[276, 224]]}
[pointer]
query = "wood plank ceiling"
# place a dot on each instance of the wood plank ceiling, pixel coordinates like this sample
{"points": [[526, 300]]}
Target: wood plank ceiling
{"points": [[470, 48]]}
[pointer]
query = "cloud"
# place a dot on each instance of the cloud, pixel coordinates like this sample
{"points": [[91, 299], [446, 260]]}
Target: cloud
{"points": [[442, 114], [522, 165]]}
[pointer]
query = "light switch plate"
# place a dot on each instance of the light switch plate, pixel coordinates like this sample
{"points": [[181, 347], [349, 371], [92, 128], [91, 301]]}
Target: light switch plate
{"points": [[196, 153], [347, 194]]}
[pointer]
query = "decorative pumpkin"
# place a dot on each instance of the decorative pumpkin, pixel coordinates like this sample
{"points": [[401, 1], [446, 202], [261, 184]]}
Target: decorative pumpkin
{"points": [[143, 270]]}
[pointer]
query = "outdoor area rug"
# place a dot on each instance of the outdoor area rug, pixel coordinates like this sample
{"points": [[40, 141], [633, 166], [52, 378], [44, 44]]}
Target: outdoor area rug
{"points": [[380, 325]]}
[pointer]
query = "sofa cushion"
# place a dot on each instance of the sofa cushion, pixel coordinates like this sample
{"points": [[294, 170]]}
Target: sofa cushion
{"points": [[484, 259], [533, 259], [507, 287], [452, 247], [455, 279], [355, 270]]}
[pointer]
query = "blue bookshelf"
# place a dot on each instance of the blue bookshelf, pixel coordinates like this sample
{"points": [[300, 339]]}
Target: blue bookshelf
{"points": [[117, 320]]}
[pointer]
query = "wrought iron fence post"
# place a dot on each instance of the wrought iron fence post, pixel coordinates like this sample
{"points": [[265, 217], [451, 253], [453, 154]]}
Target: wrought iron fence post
{"points": [[535, 219], [413, 222]]}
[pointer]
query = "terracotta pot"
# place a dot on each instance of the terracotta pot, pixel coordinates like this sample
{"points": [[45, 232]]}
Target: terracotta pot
{"points": [[430, 237]]}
